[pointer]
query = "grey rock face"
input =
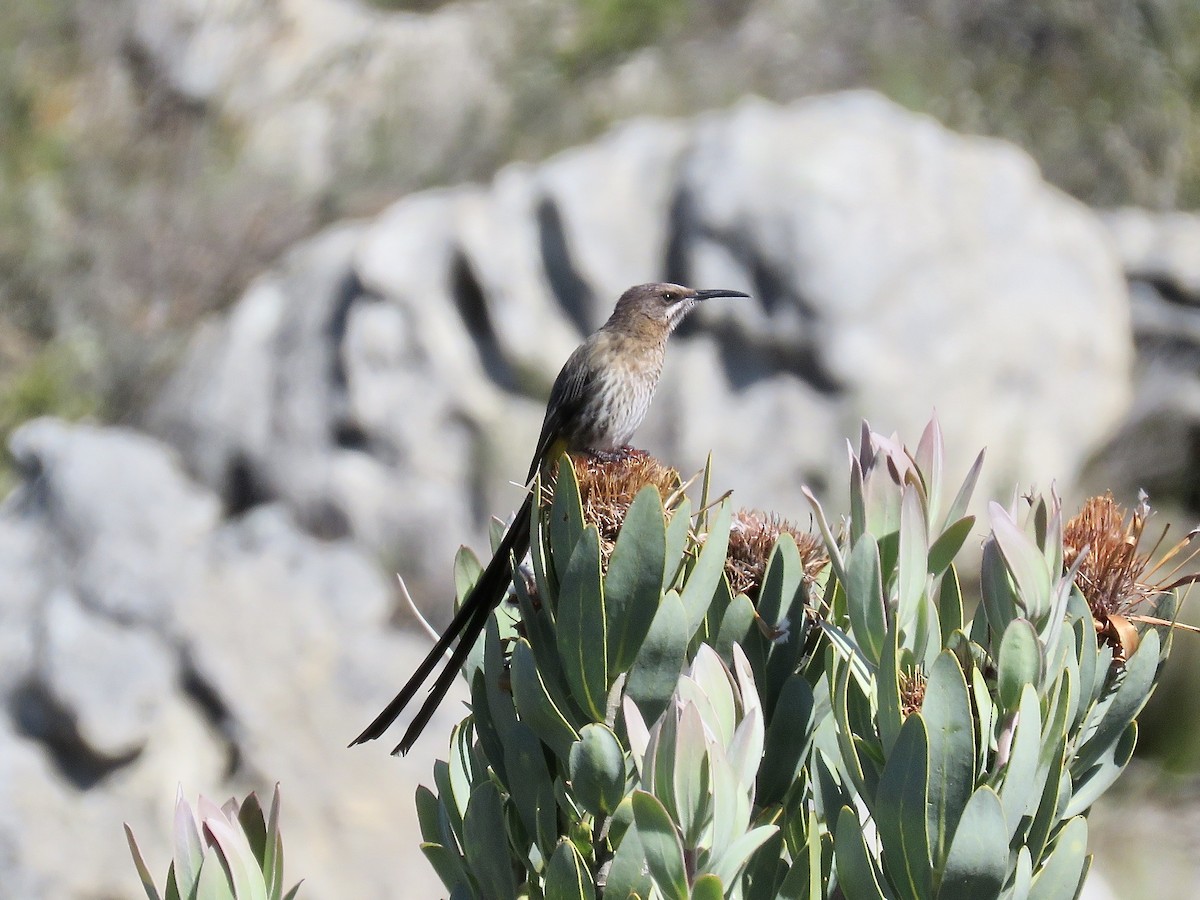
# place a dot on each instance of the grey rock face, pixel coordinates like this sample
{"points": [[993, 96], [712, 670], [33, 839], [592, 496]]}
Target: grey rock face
{"points": [[147, 644], [902, 268], [392, 374], [1158, 247], [124, 522], [1156, 447], [314, 85], [110, 681]]}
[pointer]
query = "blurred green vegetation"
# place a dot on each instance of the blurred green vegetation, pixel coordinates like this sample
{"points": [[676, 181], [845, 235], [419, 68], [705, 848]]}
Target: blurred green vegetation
{"points": [[1103, 93], [51, 383], [35, 46], [606, 30], [125, 217]]}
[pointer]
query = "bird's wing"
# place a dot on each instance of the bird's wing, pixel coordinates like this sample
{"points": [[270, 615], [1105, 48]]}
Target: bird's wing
{"points": [[571, 389]]}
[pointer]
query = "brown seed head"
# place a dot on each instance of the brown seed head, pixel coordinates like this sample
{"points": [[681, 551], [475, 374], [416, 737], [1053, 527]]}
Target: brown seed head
{"points": [[752, 537], [1116, 576], [912, 690], [1109, 575], [608, 483]]}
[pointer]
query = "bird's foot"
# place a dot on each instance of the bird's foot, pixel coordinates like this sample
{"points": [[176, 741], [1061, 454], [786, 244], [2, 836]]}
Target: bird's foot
{"points": [[620, 454]]}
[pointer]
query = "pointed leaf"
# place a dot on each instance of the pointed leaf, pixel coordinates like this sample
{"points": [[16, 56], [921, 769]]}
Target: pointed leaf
{"points": [[857, 871], [946, 547], [567, 875], [864, 597], [663, 851], [958, 507], [139, 863], [705, 577], [950, 605], [1131, 695], [1062, 872], [788, 739], [930, 459], [495, 713], [189, 849], [951, 728], [977, 861], [241, 865], [566, 517], [467, 570], [679, 526], [254, 826], [912, 564], [660, 661], [1025, 561], [583, 626], [730, 860], [1099, 777], [998, 604], [633, 585], [692, 786], [900, 812], [535, 706]]}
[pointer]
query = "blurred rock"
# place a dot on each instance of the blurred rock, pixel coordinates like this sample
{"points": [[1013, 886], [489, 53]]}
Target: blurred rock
{"points": [[392, 373], [110, 681], [1157, 447], [263, 655], [901, 268], [122, 524], [1157, 247], [312, 84], [637, 166]]}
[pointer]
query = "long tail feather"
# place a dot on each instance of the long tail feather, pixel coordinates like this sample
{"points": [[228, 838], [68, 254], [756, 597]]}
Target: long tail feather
{"points": [[466, 626]]}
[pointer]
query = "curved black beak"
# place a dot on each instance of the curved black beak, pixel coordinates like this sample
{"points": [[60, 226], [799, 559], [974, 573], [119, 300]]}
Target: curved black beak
{"points": [[718, 292]]}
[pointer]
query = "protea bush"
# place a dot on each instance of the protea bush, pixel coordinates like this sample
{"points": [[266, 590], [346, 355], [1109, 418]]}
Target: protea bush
{"points": [[227, 852], [698, 702]]}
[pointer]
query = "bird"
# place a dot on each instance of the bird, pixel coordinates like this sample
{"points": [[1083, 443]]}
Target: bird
{"points": [[597, 402]]}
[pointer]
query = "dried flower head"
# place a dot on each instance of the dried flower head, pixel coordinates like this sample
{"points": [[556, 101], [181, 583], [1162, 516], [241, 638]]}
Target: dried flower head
{"points": [[752, 537], [912, 690], [608, 483], [1115, 574]]}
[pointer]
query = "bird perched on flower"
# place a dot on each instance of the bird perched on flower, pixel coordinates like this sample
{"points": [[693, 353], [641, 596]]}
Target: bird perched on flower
{"points": [[599, 399]]}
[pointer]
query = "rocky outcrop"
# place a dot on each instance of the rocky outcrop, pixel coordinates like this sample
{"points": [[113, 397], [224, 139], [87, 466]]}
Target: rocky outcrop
{"points": [[1157, 446], [317, 88], [150, 644], [386, 381]]}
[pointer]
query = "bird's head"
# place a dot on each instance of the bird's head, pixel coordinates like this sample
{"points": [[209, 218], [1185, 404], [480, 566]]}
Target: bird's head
{"points": [[663, 304]]}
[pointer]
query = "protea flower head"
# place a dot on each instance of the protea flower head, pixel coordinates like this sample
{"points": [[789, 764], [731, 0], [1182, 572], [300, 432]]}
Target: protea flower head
{"points": [[912, 690], [1116, 575], [752, 537], [609, 482]]}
